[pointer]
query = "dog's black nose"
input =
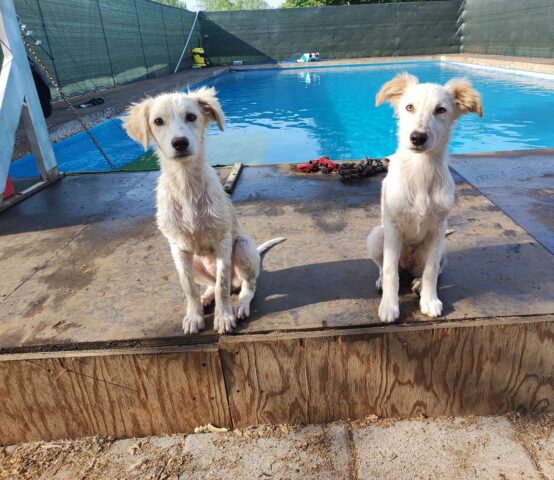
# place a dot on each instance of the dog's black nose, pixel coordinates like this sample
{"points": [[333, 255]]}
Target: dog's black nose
{"points": [[180, 144], [418, 138]]}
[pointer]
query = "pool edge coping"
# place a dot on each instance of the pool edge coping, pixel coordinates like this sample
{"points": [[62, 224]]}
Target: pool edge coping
{"points": [[520, 64]]}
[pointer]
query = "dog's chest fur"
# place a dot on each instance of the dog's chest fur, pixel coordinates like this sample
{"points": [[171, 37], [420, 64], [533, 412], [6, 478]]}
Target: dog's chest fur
{"points": [[196, 219], [418, 198]]}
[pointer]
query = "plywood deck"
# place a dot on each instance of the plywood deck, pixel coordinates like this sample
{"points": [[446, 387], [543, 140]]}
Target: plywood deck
{"points": [[82, 263], [90, 314]]}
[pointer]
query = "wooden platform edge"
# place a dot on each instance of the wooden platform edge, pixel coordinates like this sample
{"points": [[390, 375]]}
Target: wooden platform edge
{"points": [[232, 178], [117, 395], [313, 377], [29, 192]]}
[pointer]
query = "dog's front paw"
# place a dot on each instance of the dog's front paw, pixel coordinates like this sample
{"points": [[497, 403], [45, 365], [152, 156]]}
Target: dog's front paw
{"points": [[431, 307], [193, 323], [389, 310], [224, 321], [241, 310]]}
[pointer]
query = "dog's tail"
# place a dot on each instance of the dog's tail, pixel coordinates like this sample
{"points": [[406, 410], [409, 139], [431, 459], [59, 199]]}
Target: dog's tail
{"points": [[264, 247]]}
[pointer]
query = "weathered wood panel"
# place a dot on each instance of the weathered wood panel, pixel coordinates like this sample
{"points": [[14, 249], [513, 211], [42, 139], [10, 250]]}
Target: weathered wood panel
{"points": [[439, 371], [300, 377], [122, 395]]}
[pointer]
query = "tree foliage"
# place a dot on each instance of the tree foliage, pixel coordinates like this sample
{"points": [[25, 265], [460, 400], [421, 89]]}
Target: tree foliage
{"points": [[222, 5], [173, 3], [326, 3]]}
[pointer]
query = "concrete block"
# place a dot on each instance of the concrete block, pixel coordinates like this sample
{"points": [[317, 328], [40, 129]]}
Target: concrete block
{"points": [[314, 452], [475, 447]]}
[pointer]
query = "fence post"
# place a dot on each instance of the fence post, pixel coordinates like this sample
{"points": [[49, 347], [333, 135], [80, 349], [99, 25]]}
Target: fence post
{"points": [[141, 41], [47, 38], [105, 41], [333, 41], [165, 36], [187, 42]]}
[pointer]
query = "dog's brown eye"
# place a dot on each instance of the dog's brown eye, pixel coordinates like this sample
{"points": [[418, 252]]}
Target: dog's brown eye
{"points": [[440, 110], [158, 121], [191, 117], [410, 108]]}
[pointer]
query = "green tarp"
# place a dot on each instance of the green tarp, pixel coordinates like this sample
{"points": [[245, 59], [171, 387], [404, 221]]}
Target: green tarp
{"points": [[347, 31], [101, 43], [509, 27]]}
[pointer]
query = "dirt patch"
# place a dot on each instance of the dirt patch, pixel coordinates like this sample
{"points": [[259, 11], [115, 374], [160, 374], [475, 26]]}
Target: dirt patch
{"points": [[165, 458], [542, 193], [532, 431], [543, 213], [36, 306], [77, 270], [94, 458]]}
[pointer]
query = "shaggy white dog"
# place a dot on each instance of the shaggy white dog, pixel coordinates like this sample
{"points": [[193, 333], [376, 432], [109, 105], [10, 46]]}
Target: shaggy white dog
{"points": [[193, 211], [418, 192]]}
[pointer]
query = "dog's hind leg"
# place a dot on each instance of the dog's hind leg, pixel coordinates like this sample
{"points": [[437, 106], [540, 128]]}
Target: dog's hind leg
{"points": [[246, 260], [375, 241], [208, 296], [416, 282], [204, 274]]}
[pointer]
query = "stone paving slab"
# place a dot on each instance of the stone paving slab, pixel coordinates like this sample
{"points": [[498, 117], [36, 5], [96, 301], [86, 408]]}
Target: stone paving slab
{"points": [[483, 448], [537, 435], [455, 448], [313, 452]]}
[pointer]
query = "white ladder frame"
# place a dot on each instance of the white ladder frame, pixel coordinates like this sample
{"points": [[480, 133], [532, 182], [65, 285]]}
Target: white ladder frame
{"points": [[18, 96]]}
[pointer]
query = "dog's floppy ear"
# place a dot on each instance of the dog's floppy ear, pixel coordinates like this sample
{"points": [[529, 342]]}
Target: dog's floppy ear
{"points": [[136, 122], [206, 98], [466, 97], [395, 88]]}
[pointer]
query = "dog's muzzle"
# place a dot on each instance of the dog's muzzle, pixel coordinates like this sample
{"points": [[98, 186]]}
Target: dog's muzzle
{"points": [[180, 144], [418, 139]]}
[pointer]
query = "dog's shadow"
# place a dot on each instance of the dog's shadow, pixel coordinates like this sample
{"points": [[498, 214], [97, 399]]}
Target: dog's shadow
{"points": [[305, 285], [477, 282]]}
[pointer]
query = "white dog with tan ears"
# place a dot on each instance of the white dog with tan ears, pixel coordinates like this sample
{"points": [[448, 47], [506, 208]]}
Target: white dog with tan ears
{"points": [[193, 211], [418, 192]]}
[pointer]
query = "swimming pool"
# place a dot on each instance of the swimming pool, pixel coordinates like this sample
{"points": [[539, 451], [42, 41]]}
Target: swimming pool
{"points": [[294, 115]]}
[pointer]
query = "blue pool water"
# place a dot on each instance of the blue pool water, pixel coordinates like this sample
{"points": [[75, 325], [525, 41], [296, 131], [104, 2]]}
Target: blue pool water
{"points": [[294, 115]]}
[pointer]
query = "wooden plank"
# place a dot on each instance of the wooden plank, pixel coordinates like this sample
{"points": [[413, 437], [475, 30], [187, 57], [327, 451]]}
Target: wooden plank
{"points": [[478, 370], [116, 395], [231, 180]]}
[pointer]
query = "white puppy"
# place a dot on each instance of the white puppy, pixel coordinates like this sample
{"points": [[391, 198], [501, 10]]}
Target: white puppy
{"points": [[193, 211], [418, 192]]}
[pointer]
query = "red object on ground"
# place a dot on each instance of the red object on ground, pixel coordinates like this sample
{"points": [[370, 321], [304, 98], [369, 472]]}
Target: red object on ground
{"points": [[9, 190], [323, 164]]}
